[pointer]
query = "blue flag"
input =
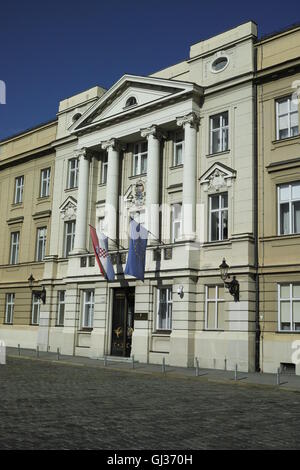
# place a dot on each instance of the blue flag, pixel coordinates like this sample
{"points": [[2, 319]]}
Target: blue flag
{"points": [[137, 251]]}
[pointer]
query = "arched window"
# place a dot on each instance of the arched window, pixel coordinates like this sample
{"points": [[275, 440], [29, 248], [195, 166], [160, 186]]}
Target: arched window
{"points": [[131, 101]]}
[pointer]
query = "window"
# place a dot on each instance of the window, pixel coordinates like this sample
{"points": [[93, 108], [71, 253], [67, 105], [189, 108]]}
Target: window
{"points": [[289, 307], [73, 173], [219, 133], [41, 243], [45, 182], [140, 158], [219, 64], [218, 207], [176, 220], [19, 189], [289, 208], [9, 308], [35, 313], [101, 224], [131, 102], [60, 308], [164, 309], [88, 309], [214, 308], [286, 118], [178, 149], [69, 237], [104, 170], [14, 247]]}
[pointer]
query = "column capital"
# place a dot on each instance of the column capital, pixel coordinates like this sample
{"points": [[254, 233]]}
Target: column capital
{"points": [[153, 130], [192, 119], [82, 152], [112, 143]]}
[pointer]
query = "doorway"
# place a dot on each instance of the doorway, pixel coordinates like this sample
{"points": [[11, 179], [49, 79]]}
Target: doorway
{"points": [[122, 322]]}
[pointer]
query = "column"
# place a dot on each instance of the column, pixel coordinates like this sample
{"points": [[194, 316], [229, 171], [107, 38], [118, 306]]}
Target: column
{"points": [[82, 202], [153, 136], [189, 186], [112, 188]]}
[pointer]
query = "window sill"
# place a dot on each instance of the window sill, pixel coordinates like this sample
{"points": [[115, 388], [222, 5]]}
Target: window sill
{"points": [[285, 140], [176, 167], [17, 205], [290, 236], [217, 243], [217, 154], [85, 330], [296, 332], [137, 176], [8, 323], [59, 326], [67, 190], [33, 324], [214, 329], [102, 185], [43, 198], [162, 333]]}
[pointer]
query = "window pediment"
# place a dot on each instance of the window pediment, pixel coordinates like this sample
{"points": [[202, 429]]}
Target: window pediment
{"points": [[68, 209], [217, 177]]}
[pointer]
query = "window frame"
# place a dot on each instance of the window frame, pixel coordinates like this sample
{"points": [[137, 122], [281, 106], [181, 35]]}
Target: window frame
{"points": [[139, 155], [74, 170], [169, 301], [176, 144], [91, 306], [220, 131], [17, 248], [287, 98], [72, 234], [60, 303], [290, 202], [45, 180], [175, 221], [35, 301], [42, 239], [19, 189], [216, 300], [219, 210], [104, 169], [11, 304], [290, 299]]}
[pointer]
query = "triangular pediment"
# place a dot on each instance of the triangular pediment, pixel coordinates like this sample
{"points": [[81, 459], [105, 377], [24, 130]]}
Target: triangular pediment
{"points": [[145, 92], [68, 209], [217, 177]]}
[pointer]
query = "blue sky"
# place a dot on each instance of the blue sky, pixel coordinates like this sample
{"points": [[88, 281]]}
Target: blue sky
{"points": [[52, 50]]}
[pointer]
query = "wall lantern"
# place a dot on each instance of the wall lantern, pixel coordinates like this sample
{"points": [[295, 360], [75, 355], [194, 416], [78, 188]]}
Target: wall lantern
{"points": [[39, 294], [233, 285], [180, 291]]}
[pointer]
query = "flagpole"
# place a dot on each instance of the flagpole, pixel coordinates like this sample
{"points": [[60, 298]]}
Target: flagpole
{"points": [[114, 241], [160, 241]]}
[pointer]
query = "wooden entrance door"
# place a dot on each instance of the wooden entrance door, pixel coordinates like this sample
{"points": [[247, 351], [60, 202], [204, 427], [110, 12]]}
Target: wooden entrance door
{"points": [[122, 322]]}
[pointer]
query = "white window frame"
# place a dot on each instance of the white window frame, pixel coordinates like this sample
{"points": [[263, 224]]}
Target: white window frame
{"points": [[36, 302], [73, 171], [9, 308], [290, 201], [14, 247], [41, 238], [216, 300], [19, 189], [219, 210], [88, 305], [45, 182], [138, 156], [290, 299], [288, 114], [61, 306], [178, 142], [169, 301], [219, 130], [176, 221], [104, 169], [67, 234]]}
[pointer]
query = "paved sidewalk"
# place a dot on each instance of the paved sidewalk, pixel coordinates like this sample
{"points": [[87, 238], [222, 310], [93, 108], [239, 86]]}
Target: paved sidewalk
{"points": [[287, 381]]}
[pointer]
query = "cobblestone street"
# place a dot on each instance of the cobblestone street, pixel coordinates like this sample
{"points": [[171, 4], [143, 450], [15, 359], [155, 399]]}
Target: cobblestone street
{"points": [[57, 406]]}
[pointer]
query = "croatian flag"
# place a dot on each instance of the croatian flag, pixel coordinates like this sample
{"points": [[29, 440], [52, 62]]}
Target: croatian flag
{"points": [[101, 253]]}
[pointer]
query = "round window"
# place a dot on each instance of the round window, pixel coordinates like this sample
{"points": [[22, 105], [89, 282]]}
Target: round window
{"points": [[219, 64]]}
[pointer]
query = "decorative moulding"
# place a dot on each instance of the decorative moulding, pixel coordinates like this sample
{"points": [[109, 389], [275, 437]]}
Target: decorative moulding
{"points": [[68, 209], [217, 177]]}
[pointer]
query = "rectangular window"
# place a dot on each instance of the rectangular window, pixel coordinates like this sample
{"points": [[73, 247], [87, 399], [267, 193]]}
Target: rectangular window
{"points": [[140, 153], [164, 309], [286, 118], [9, 308], [289, 208], [60, 308], [88, 309], [35, 313], [219, 132], [178, 154], [69, 237], [41, 243], [176, 222], [214, 308], [104, 170], [289, 307], [14, 247], [19, 189], [218, 209], [73, 169], [45, 182]]}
